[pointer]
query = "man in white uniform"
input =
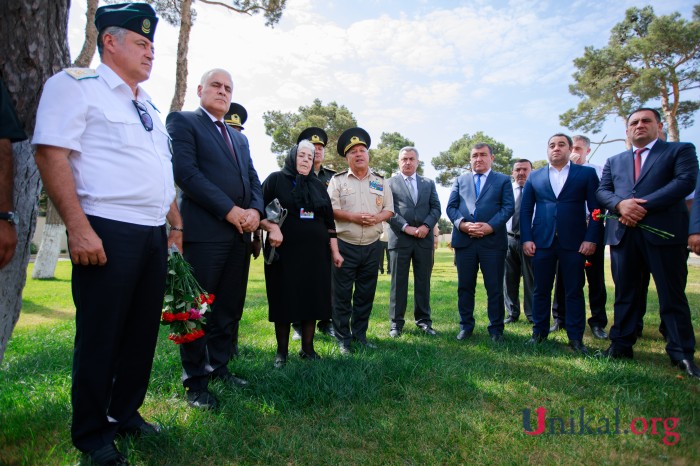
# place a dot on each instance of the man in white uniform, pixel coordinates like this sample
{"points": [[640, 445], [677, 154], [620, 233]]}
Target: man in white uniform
{"points": [[103, 156]]}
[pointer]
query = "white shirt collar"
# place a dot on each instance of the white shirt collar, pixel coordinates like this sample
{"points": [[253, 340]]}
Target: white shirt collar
{"points": [[114, 81], [213, 118], [648, 146]]}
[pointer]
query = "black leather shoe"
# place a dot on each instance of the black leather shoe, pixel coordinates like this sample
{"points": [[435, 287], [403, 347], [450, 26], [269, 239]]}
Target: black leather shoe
{"points": [[366, 344], [578, 347], [427, 329], [496, 337], [614, 353], [230, 379], [464, 334], [310, 356], [280, 360], [326, 329], [688, 366], [144, 430], [344, 349], [510, 320], [557, 326], [535, 340], [201, 399], [599, 333], [394, 333], [107, 456]]}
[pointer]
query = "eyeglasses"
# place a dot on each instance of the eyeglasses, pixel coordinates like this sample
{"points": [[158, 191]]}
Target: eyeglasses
{"points": [[146, 119]]}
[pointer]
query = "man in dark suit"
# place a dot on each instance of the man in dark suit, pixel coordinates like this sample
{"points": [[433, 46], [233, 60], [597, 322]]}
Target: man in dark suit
{"points": [[694, 230], [416, 211], [518, 265], [479, 206], [221, 206], [648, 185], [553, 230]]}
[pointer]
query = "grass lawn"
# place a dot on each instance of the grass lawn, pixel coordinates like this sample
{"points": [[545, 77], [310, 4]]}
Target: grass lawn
{"points": [[415, 400]]}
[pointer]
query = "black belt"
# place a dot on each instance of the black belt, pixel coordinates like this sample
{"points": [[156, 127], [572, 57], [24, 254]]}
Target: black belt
{"points": [[514, 235]]}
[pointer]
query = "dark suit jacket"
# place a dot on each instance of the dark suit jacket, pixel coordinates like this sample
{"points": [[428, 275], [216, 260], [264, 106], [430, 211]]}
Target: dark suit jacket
{"points": [[494, 206], [695, 211], [426, 210], [667, 177], [542, 214], [211, 181]]}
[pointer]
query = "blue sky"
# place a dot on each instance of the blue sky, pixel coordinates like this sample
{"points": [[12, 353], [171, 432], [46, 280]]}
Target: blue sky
{"points": [[431, 70]]}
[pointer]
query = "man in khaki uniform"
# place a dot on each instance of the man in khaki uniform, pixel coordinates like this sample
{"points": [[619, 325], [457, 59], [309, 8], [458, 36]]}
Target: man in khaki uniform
{"points": [[361, 200]]}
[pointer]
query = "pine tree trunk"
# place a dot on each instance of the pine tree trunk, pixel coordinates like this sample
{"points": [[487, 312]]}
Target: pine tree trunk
{"points": [[34, 34], [50, 247], [183, 45], [54, 229], [90, 44]]}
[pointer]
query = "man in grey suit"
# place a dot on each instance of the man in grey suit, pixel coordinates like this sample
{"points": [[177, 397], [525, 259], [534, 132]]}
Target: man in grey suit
{"points": [[417, 210], [480, 204]]}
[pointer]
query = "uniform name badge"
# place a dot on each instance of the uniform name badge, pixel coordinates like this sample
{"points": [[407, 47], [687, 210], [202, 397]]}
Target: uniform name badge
{"points": [[305, 215]]}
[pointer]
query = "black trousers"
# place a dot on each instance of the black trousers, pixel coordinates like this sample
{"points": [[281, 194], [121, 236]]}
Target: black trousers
{"points": [[351, 310], [221, 269], [118, 307], [668, 266]]}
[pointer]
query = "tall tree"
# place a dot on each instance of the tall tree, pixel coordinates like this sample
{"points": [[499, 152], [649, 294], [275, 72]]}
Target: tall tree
{"points": [[34, 34], [445, 226], [90, 44], [452, 163], [54, 229], [648, 58], [284, 128], [385, 158], [181, 13]]}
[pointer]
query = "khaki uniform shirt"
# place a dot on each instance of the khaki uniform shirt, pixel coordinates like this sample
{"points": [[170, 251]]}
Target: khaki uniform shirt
{"points": [[370, 194]]}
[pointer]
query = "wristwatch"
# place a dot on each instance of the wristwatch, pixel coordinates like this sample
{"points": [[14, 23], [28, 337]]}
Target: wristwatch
{"points": [[11, 217]]}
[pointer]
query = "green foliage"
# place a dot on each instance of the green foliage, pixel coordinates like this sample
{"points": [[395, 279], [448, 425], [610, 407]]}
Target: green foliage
{"points": [[537, 164], [169, 10], [385, 158], [457, 158], [444, 225], [284, 128], [463, 401], [648, 58]]}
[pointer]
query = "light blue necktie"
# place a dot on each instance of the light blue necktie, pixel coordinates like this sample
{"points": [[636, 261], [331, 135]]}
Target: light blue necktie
{"points": [[478, 184]]}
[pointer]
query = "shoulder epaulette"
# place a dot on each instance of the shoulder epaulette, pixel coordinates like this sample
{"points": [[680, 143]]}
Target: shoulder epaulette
{"points": [[340, 173], [81, 73], [377, 174]]}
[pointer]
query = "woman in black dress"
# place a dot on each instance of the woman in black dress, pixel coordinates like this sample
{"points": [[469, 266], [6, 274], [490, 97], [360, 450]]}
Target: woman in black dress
{"points": [[298, 281]]}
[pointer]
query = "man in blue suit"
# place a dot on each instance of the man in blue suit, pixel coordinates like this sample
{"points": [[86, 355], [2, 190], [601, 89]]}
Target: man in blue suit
{"points": [[648, 185], [221, 205], [480, 204], [553, 228]]}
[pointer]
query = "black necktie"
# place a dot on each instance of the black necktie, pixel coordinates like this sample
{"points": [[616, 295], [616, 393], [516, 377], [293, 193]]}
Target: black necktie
{"points": [[224, 134], [515, 226]]}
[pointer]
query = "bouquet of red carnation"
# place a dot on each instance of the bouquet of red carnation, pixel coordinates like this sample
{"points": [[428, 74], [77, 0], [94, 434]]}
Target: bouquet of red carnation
{"points": [[185, 301], [598, 216]]}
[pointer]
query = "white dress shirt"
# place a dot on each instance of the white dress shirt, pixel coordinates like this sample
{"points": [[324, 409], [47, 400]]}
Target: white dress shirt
{"points": [[122, 172]]}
